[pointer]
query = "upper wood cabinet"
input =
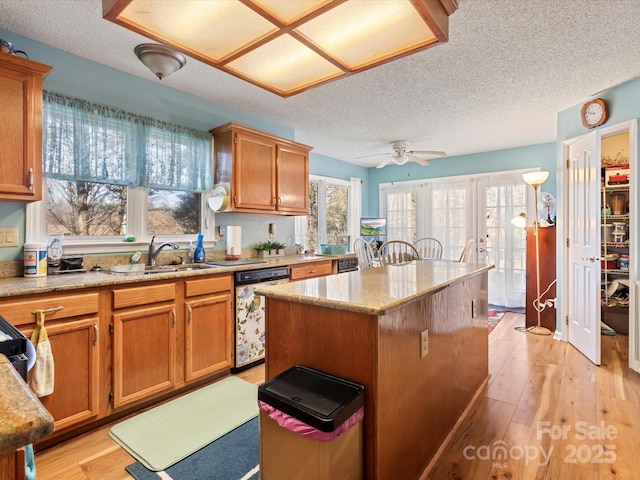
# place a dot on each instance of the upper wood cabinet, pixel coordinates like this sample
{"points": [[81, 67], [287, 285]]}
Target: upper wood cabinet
{"points": [[266, 174], [21, 132]]}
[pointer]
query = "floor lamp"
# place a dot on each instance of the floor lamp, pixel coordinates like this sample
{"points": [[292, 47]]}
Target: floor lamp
{"points": [[535, 179]]}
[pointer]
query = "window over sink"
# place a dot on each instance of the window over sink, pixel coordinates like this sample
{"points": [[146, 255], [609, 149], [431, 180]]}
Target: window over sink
{"points": [[108, 174]]}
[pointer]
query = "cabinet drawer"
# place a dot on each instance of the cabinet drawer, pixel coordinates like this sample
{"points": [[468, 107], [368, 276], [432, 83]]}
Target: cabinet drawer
{"points": [[130, 297], [203, 286], [311, 270], [22, 311]]}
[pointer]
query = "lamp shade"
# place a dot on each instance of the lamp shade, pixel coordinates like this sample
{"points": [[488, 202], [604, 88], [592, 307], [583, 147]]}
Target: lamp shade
{"points": [[535, 178], [521, 221], [160, 59]]}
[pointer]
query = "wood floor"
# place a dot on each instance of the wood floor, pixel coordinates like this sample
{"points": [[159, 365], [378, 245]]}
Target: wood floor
{"points": [[546, 413]]}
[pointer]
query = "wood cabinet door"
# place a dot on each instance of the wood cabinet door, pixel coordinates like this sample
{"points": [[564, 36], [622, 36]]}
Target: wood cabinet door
{"points": [[254, 172], [144, 353], [74, 346], [208, 334], [292, 180], [21, 131]]}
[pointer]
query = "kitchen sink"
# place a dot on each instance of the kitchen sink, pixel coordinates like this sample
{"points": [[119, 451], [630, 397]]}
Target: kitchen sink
{"points": [[147, 270], [184, 267]]}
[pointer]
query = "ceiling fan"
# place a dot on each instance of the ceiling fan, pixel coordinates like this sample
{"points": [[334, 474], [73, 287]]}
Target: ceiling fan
{"points": [[401, 154]]}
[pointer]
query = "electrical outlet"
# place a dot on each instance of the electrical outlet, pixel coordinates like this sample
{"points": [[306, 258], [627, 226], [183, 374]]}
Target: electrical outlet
{"points": [[424, 343]]}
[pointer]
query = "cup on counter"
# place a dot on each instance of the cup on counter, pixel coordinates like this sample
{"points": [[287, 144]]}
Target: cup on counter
{"points": [[35, 259]]}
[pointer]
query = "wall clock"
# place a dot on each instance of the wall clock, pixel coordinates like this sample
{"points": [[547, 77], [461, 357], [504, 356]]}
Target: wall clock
{"points": [[594, 113]]}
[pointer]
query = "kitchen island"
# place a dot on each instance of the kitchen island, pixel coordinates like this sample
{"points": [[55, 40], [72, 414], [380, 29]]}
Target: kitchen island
{"points": [[414, 335]]}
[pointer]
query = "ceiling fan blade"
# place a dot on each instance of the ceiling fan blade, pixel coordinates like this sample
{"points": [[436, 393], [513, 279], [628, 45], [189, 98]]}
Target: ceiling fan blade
{"points": [[375, 155], [435, 153], [416, 159], [385, 163]]}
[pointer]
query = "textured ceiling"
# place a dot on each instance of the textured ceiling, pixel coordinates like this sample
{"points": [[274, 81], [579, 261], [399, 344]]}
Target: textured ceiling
{"points": [[508, 68]]}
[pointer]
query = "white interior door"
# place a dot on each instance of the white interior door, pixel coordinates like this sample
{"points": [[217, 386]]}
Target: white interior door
{"points": [[583, 234]]}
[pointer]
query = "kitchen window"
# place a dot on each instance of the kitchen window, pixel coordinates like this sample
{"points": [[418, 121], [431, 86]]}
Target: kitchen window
{"points": [[108, 173], [330, 211]]}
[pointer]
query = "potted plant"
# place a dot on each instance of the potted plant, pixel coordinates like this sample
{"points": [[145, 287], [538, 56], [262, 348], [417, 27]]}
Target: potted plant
{"points": [[270, 249]]}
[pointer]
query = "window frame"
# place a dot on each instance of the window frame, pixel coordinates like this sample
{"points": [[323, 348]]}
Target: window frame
{"points": [[322, 182], [36, 226]]}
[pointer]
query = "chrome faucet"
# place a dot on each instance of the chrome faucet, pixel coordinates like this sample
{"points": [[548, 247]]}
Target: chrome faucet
{"points": [[153, 254]]}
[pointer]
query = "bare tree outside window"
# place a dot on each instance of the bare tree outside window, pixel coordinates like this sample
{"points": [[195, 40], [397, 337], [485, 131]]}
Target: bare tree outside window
{"points": [[328, 211], [173, 212], [86, 208]]}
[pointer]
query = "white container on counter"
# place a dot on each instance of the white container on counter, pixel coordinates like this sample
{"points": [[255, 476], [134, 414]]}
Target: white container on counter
{"points": [[35, 259]]}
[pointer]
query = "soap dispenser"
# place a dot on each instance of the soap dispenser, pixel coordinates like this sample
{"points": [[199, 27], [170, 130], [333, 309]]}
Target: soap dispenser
{"points": [[198, 255]]}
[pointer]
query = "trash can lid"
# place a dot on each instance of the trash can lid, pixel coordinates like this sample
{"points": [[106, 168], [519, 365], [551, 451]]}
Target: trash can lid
{"points": [[318, 399]]}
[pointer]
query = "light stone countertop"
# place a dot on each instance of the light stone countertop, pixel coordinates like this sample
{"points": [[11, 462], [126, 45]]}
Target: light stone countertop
{"points": [[15, 286], [376, 291], [23, 419]]}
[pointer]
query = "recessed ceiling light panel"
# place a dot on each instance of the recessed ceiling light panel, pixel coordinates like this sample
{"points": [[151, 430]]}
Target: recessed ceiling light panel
{"points": [[288, 46]]}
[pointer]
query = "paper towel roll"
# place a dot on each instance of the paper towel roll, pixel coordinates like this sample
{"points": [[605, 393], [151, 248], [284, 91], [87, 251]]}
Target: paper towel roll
{"points": [[234, 241]]}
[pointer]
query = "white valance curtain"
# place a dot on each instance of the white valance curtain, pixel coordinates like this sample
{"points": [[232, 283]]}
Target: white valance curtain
{"points": [[96, 143]]}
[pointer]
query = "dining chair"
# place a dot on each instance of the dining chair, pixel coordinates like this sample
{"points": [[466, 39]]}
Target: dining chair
{"points": [[397, 252], [467, 251], [428, 247], [365, 253]]}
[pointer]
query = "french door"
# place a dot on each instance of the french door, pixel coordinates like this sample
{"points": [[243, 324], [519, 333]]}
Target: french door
{"points": [[456, 209]]}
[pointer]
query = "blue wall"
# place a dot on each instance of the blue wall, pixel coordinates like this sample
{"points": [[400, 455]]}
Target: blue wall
{"points": [[78, 77], [543, 156]]}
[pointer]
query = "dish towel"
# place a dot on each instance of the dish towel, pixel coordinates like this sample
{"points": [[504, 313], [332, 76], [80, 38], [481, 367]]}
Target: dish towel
{"points": [[29, 463], [42, 376]]}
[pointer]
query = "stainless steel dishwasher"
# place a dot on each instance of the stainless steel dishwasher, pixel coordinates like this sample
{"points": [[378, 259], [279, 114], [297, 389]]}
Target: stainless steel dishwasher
{"points": [[250, 314]]}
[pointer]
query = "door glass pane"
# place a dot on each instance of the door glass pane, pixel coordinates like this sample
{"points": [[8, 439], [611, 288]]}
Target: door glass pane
{"points": [[401, 216], [451, 206], [505, 245]]}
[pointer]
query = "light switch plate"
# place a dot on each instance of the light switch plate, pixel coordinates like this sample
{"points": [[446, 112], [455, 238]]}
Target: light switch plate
{"points": [[8, 236]]}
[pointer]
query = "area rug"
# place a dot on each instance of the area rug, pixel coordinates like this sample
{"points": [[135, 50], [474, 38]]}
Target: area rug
{"points": [[234, 456], [494, 318], [164, 435]]}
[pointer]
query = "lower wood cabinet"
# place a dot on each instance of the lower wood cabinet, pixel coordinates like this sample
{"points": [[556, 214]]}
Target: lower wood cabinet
{"points": [[116, 347], [208, 326], [72, 324], [144, 325]]}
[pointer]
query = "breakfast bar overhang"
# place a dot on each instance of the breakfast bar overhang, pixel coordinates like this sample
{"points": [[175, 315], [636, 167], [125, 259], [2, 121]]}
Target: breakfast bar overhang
{"points": [[415, 335]]}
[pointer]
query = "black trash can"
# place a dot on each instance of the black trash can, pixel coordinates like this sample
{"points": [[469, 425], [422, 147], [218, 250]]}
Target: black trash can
{"points": [[310, 426]]}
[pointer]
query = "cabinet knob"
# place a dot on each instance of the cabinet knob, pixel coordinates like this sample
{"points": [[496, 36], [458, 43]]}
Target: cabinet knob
{"points": [[30, 179]]}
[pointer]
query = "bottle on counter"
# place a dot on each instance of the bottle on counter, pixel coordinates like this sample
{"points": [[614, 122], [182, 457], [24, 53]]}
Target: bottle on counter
{"points": [[192, 251], [198, 255]]}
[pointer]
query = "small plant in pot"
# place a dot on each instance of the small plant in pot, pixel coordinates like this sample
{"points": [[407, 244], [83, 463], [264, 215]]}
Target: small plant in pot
{"points": [[270, 248]]}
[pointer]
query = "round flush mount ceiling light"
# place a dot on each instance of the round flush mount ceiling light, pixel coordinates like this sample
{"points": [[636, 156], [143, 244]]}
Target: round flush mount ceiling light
{"points": [[160, 59]]}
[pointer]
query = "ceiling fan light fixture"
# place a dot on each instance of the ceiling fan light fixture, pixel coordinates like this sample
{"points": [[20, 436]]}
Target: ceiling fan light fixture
{"points": [[160, 59], [400, 158]]}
